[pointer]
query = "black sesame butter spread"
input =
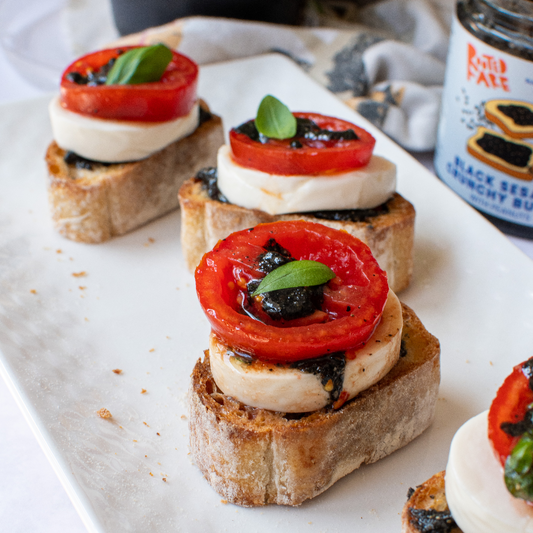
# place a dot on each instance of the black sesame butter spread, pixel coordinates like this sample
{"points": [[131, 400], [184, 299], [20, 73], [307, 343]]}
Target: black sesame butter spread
{"points": [[209, 180], [305, 129], [73, 159], [432, 521], [294, 303], [283, 304], [93, 78], [329, 368]]}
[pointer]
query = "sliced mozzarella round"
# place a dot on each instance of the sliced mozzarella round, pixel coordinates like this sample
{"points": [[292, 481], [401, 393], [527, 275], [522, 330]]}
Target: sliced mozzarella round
{"points": [[475, 489], [361, 188], [115, 141], [281, 388]]}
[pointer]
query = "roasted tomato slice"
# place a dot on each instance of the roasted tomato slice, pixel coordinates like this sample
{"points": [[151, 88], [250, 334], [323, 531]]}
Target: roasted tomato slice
{"points": [[509, 406], [223, 273], [312, 157], [171, 97]]}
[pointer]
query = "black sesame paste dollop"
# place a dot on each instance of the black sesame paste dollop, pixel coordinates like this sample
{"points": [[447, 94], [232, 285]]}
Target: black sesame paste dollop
{"points": [[273, 257], [72, 158], [308, 129], [329, 368], [289, 304], [209, 178], [93, 77], [204, 115], [283, 304], [249, 129], [352, 215], [305, 129], [432, 521]]}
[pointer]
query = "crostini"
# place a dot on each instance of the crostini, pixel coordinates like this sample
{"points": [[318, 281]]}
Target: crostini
{"points": [[128, 130], [314, 367], [488, 483]]}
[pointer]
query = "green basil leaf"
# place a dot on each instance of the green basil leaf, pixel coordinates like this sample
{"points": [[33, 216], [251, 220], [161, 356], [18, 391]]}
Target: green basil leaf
{"points": [[274, 119], [304, 273], [140, 65], [518, 473]]}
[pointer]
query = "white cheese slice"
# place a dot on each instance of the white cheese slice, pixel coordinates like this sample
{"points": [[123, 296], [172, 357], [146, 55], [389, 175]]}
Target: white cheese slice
{"points": [[475, 489], [281, 388], [361, 188], [115, 141]]}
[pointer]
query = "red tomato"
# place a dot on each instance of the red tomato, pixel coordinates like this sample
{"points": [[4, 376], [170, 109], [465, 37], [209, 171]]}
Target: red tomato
{"points": [[223, 273], [277, 157], [171, 97], [510, 405]]}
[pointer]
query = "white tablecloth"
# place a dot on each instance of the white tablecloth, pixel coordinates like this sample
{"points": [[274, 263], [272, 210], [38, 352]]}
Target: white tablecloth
{"points": [[31, 497]]}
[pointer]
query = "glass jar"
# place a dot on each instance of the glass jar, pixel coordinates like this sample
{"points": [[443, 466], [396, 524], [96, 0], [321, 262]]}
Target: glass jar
{"points": [[485, 140]]}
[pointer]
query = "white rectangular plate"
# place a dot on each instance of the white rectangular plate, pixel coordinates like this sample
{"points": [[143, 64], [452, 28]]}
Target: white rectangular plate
{"points": [[135, 309]]}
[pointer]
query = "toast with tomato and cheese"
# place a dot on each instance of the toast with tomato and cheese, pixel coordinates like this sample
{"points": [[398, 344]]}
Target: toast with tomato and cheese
{"points": [[121, 150], [325, 172], [314, 366], [488, 482]]}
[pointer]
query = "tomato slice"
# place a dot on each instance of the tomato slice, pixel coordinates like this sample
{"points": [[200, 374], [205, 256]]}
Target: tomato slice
{"points": [[171, 97], [314, 156], [510, 405], [223, 273]]}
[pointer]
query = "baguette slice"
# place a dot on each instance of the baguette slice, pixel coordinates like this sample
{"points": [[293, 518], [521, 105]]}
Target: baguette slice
{"points": [[390, 236], [430, 497], [94, 205], [254, 457]]}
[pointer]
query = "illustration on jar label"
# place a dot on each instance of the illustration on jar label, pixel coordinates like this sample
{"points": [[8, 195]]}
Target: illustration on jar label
{"points": [[514, 117], [502, 150]]}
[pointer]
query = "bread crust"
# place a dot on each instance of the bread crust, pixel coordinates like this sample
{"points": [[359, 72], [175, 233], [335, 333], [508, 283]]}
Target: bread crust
{"points": [[390, 236], [255, 457], [95, 205], [430, 495]]}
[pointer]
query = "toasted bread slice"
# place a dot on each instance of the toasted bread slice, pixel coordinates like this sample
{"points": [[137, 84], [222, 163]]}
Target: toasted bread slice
{"points": [[93, 205], [427, 504], [390, 236], [255, 457], [514, 117], [501, 152]]}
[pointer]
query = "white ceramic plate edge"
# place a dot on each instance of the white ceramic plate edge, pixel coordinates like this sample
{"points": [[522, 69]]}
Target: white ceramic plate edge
{"points": [[75, 493]]}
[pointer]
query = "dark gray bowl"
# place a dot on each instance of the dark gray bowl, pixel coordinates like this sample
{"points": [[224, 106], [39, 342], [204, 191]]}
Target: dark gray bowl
{"points": [[136, 15]]}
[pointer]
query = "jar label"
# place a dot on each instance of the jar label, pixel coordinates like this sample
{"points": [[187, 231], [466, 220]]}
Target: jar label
{"points": [[485, 140]]}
